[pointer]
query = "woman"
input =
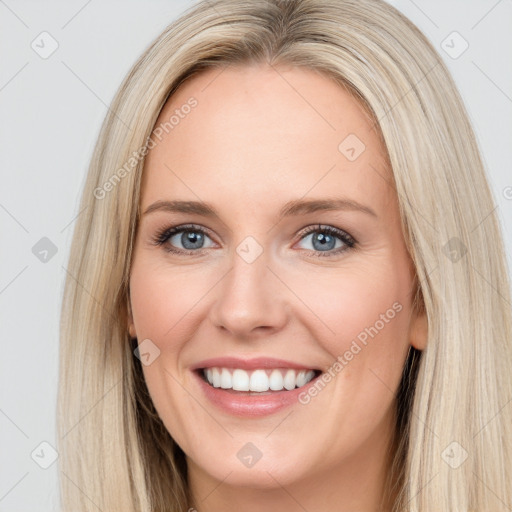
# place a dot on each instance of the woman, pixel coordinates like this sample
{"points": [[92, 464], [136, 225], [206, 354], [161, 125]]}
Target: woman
{"points": [[282, 292]]}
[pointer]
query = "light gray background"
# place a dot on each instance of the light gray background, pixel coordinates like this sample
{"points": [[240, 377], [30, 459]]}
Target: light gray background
{"points": [[51, 110]]}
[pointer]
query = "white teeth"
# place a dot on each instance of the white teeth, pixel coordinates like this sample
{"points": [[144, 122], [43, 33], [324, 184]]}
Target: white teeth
{"points": [[225, 379], [301, 378], [215, 380], [276, 380], [240, 380], [289, 380], [257, 380]]}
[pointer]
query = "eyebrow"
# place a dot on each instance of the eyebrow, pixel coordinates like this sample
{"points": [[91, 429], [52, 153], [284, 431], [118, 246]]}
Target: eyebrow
{"points": [[292, 208]]}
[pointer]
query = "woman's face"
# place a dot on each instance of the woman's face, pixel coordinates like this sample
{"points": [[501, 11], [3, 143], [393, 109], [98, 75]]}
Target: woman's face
{"points": [[297, 263]]}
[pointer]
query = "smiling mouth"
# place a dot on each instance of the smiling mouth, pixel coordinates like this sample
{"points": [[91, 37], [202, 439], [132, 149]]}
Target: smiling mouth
{"points": [[259, 381]]}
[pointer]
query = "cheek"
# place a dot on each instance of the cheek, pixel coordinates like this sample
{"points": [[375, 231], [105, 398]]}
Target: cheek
{"points": [[164, 299], [364, 327], [163, 302], [353, 302], [364, 321]]}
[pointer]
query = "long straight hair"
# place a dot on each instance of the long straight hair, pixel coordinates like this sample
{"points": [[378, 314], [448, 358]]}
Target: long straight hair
{"points": [[454, 428]]}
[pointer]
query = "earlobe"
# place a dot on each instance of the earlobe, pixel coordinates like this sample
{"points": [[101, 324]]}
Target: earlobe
{"points": [[419, 331], [131, 330]]}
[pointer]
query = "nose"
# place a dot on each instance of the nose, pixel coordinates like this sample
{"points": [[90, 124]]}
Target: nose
{"points": [[251, 300]]}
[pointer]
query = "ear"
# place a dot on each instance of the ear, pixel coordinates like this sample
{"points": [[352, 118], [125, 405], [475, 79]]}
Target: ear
{"points": [[131, 330], [131, 325], [418, 330]]}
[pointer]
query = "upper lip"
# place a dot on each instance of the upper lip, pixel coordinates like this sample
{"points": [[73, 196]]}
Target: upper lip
{"points": [[250, 364]]}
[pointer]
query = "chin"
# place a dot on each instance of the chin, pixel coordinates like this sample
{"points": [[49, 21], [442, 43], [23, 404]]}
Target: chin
{"points": [[262, 476]]}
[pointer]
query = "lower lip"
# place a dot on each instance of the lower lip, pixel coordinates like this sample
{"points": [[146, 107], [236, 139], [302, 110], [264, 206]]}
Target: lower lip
{"points": [[242, 403]]}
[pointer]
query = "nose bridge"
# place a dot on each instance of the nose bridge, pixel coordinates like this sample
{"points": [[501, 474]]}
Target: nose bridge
{"points": [[250, 296]]}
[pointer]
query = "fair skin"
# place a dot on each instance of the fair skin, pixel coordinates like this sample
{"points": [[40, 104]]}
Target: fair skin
{"points": [[258, 138]]}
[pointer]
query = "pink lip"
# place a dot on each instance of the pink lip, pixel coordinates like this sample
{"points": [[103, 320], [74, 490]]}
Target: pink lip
{"points": [[247, 404], [249, 364]]}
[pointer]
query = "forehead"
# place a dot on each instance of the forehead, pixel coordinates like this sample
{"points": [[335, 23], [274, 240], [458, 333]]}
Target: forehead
{"points": [[257, 128]]}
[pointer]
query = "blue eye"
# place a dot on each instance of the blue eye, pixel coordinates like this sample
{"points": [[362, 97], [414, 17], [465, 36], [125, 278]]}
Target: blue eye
{"points": [[191, 238], [326, 240]]}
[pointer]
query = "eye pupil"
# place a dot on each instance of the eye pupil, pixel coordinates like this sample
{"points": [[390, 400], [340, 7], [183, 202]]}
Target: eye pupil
{"points": [[191, 237], [324, 241]]}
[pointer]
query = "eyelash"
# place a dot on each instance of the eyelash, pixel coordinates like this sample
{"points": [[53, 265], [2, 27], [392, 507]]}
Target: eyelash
{"points": [[164, 235]]}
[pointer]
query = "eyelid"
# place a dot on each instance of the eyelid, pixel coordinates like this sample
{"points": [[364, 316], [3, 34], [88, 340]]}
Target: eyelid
{"points": [[341, 233]]}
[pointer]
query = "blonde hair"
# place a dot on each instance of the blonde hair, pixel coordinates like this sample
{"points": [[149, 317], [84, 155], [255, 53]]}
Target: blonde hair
{"points": [[115, 453]]}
